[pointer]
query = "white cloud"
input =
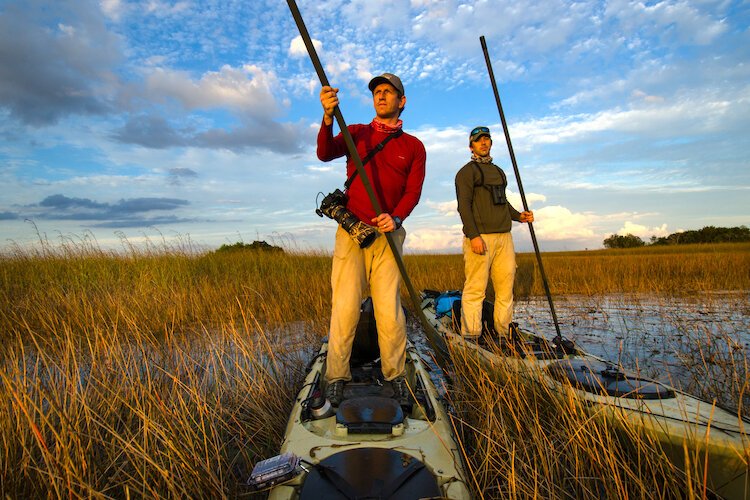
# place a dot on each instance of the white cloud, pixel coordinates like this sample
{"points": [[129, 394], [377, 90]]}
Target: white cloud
{"points": [[642, 231], [531, 198], [325, 168], [67, 29], [444, 208], [559, 223], [640, 95], [113, 9], [166, 9], [435, 239], [248, 89], [384, 15], [297, 48], [650, 116], [679, 19]]}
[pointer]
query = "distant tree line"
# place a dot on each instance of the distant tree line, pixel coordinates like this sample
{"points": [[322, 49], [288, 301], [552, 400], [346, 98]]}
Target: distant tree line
{"points": [[255, 245], [708, 234]]}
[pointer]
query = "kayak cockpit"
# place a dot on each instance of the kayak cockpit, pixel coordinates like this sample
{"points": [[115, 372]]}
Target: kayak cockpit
{"points": [[600, 377], [515, 343], [372, 445]]}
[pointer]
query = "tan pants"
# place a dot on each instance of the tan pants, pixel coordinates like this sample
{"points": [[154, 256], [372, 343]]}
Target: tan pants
{"points": [[499, 263], [353, 269]]}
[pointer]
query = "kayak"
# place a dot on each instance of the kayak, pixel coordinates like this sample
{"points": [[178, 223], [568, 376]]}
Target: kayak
{"points": [[370, 446], [681, 423]]}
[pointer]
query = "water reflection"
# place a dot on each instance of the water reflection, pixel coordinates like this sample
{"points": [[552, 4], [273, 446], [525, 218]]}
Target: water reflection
{"points": [[656, 335], [698, 343]]}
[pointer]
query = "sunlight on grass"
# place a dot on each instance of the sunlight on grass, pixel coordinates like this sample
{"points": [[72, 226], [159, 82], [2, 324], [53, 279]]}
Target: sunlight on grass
{"points": [[166, 372], [529, 439], [665, 269]]}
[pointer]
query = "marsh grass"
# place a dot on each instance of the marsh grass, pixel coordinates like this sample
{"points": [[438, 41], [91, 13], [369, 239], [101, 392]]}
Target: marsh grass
{"points": [[671, 269], [160, 293], [524, 439], [122, 415], [168, 373], [716, 363]]}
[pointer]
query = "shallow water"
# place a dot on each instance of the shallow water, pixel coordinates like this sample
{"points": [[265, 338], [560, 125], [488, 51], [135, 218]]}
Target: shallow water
{"points": [[681, 341], [657, 335]]}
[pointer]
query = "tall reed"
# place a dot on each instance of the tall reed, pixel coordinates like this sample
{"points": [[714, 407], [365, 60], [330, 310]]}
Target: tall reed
{"points": [[161, 293], [124, 415], [168, 373], [526, 440], [150, 374], [671, 270]]}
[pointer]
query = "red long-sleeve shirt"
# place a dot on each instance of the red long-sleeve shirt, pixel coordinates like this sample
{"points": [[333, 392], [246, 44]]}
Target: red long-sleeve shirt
{"points": [[396, 173]]}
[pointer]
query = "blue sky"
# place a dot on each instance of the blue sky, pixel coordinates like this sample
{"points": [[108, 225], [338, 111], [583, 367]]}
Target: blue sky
{"points": [[196, 120]]}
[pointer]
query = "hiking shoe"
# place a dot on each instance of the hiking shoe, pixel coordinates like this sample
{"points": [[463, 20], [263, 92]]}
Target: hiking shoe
{"points": [[335, 392], [401, 393]]}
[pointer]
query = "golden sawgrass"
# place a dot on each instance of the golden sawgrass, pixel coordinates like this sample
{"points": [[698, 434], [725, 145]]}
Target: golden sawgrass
{"points": [[528, 440], [184, 417], [671, 270], [164, 373]]}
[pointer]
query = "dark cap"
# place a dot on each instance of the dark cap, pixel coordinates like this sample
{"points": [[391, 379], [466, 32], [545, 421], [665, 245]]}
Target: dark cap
{"points": [[479, 132], [387, 78]]}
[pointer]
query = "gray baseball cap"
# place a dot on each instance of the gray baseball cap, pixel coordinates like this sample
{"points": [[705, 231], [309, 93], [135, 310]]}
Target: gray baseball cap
{"points": [[478, 132], [387, 78]]}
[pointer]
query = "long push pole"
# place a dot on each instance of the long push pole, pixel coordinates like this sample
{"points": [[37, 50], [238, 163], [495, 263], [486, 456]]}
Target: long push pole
{"points": [[435, 339], [558, 338]]}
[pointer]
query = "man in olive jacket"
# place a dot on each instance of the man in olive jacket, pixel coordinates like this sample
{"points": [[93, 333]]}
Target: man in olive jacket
{"points": [[487, 218]]}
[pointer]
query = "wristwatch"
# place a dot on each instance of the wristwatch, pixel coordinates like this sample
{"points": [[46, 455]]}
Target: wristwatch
{"points": [[397, 221]]}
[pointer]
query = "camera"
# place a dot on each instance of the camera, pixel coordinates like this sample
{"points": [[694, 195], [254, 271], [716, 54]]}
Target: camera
{"points": [[334, 199], [334, 207], [498, 194]]}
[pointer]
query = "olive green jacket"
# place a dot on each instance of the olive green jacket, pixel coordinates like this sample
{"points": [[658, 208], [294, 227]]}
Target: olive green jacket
{"points": [[475, 206]]}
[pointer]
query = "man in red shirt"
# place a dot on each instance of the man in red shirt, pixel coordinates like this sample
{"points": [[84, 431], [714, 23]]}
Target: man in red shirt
{"points": [[396, 174]]}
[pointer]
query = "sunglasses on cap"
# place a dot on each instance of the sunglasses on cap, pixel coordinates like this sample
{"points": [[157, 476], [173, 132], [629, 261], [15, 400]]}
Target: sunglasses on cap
{"points": [[480, 130]]}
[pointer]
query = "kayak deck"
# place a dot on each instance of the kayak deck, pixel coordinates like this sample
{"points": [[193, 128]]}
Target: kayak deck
{"points": [[370, 446], [678, 421]]}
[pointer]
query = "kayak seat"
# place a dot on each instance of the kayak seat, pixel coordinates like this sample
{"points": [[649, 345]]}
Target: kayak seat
{"points": [[369, 415], [365, 348], [488, 321], [603, 378]]}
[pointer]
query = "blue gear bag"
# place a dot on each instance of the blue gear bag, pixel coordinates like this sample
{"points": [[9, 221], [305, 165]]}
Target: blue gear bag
{"points": [[444, 303]]}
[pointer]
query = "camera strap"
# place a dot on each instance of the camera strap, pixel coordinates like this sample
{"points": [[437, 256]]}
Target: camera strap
{"points": [[481, 175], [372, 153]]}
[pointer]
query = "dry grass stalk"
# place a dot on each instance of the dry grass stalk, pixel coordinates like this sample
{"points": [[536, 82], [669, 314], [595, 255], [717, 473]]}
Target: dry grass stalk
{"points": [[167, 373], [531, 441]]}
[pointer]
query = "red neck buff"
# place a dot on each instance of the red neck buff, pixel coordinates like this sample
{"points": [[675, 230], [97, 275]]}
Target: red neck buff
{"points": [[384, 127]]}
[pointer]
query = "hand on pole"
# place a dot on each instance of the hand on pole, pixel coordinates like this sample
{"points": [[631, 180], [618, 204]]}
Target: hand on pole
{"points": [[385, 223], [329, 100], [526, 216]]}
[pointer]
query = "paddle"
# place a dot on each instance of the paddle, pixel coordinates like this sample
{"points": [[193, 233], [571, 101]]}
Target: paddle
{"points": [[436, 340], [564, 344]]}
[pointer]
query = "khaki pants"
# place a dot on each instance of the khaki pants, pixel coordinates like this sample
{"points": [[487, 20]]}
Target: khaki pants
{"points": [[353, 269], [499, 263]]}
